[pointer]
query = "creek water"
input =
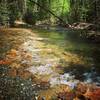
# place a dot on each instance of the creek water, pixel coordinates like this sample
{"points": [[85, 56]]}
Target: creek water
{"points": [[87, 68], [57, 56]]}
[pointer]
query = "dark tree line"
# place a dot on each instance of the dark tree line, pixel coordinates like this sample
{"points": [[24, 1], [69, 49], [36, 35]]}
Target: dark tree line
{"points": [[49, 11]]}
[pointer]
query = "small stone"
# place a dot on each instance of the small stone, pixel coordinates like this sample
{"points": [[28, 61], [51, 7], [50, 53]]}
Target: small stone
{"points": [[22, 84]]}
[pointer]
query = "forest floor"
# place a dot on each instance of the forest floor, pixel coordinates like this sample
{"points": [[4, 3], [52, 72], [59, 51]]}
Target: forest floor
{"points": [[28, 55]]}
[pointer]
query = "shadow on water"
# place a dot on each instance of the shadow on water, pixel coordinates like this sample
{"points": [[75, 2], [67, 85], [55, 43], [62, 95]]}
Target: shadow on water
{"points": [[96, 59], [76, 69]]}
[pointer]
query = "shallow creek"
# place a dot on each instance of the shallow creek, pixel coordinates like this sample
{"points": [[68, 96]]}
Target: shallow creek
{"points": [[56, 57]]}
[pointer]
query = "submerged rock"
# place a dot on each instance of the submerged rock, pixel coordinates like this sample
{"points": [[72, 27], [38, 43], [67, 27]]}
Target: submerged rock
{"points": [[65, 79], [41, 70]]}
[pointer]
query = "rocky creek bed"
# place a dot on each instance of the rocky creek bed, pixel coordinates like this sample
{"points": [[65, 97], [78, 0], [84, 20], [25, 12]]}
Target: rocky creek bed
{"points": [[34, 68]]}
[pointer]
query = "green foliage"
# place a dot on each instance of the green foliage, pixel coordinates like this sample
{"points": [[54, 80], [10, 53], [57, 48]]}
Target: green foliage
{"points": [[60, 8], [42, 14], [69, 11], [12, 14], [4, 18], [9, 12], [83, 11]]}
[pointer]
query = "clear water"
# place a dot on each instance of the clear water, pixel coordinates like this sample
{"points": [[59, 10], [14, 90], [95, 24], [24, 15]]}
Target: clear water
{"points": [[74, 43], [78, 56]]}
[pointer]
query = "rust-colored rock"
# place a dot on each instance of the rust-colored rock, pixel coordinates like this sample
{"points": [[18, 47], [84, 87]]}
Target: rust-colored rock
{"points": [[12, 53], [65, 96], [81, 88], [93, 95], [12, 72], [24, 74]]}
